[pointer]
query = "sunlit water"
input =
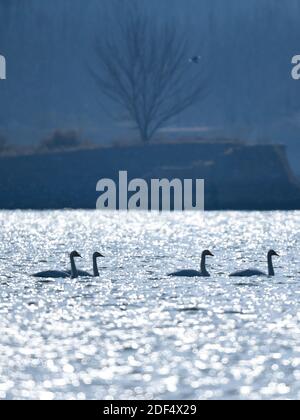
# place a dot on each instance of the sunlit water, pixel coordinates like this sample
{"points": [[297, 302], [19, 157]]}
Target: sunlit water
{"points": [[136, 333]]}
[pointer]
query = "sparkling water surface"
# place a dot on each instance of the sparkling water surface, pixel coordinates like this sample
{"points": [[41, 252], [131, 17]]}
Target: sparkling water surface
{"points": [[135, 333]]}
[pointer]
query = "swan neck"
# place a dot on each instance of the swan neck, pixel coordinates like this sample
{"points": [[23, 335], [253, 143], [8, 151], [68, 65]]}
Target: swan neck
{"points": [[74, 272], [95, 267], [203, 264], [270, 266]]}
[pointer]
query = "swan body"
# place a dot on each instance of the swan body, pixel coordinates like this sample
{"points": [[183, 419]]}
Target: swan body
{"points": [[254, 272], [52, 274], [82, 273], [248, 273], [61, 274], [188, 273], [195, 273]]}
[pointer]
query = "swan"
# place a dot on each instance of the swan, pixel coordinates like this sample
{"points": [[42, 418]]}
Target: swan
{"points": [[61, 274], [96, 255], [254, 272], [81, 273], [194, 273]]}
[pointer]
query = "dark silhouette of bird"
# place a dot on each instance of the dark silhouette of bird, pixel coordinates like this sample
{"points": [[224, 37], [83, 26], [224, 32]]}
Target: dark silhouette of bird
{"points": [[196, 59]]}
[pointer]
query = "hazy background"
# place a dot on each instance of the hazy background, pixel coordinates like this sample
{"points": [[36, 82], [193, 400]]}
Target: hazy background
{"points": [[249, 46]]}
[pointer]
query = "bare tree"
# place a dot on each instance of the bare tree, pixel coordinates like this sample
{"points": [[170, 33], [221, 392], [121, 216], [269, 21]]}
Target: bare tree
{"points": [[144, 68]]}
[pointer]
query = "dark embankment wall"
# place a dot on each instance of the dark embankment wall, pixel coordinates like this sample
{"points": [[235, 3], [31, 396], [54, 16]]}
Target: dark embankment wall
{"points": [[236, 176]]}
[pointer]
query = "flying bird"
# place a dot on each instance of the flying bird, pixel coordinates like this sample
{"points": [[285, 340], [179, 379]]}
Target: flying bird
{"points": [[196, 59]]}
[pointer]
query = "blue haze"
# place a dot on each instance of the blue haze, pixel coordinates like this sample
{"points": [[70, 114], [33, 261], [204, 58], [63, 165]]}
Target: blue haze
{"points": [[249, 45]]}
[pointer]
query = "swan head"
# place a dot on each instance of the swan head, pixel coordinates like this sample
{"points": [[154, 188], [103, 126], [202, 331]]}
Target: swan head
{"points": [[207, 253], [75, 254], [97, 255], [272, 253]]}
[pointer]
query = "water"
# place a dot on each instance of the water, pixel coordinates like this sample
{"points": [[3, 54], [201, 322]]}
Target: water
{"points": [[136, 333]]}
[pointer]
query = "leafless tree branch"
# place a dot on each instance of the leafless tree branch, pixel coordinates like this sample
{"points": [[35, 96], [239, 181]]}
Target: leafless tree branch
{"points": [[144, 68]]}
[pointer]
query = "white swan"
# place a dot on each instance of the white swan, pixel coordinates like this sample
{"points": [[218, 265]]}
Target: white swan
{"points": [[195, 273], [254, 272], [61, 274], [82, 273]]}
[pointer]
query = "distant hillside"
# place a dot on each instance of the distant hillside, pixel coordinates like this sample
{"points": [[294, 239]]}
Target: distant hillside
{"points": [[236, 176]]}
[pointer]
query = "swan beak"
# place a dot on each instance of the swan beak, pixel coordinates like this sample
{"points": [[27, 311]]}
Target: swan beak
{"points": [[277, 255], [98, 255]]}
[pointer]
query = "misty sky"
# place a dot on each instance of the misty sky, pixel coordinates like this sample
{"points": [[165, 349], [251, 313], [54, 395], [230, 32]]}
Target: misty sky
{"points": [[247, 45]]}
